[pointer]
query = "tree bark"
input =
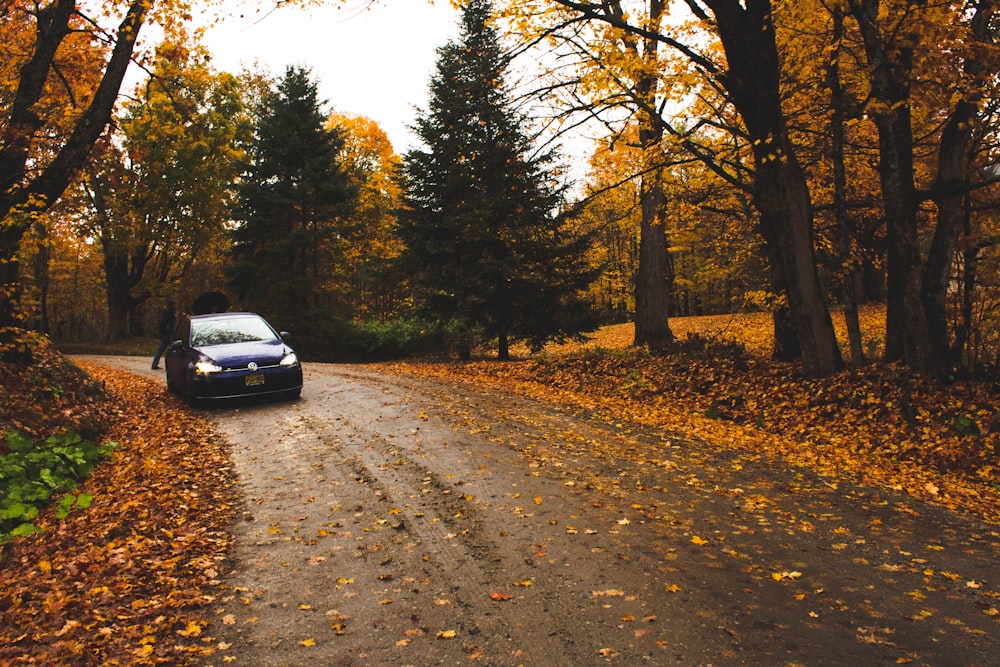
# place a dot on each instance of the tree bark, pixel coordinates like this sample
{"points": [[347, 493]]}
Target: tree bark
{"points": [[949, 192], [655, 276], [781, 193], [123, 270], [654, 281], [846, 230], [891, 68]]}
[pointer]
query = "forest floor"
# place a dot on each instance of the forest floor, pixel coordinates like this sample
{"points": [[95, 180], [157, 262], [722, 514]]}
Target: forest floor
{"points": [[878, 422], [106, 583]]}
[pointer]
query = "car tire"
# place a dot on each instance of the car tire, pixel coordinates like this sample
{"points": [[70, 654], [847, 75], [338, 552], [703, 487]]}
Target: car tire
{"points": [[192, 398]]}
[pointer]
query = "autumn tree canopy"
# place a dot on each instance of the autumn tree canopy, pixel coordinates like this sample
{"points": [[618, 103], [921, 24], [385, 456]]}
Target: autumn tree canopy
{"points": [[159, 192], [769, 75], [40, 154]]}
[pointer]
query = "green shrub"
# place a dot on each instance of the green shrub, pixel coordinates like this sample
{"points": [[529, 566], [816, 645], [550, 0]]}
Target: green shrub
{"points": [[339, 340], [31, 475]]}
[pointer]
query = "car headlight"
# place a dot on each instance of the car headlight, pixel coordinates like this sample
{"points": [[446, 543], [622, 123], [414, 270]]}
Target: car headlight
{"points": [[206, 367], [289, 359]]}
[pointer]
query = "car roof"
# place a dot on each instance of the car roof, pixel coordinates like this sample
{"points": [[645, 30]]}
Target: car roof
{"points": [[227, 315]]}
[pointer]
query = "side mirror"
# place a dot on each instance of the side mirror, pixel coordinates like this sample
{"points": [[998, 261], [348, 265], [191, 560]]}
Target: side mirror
{"points": [[176, 345], [284, 335]]}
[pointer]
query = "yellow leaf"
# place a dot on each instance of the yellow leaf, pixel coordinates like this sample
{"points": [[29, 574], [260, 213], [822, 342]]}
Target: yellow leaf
{"points": [[193, 629], [698, 540], [308, 642], [610, 593], [446, 634]]}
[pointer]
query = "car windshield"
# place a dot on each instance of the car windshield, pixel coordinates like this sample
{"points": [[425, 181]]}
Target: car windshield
{"points": [[230, 330]]}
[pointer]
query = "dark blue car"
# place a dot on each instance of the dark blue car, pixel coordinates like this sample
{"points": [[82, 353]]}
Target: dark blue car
{"points": [[225, 355]]}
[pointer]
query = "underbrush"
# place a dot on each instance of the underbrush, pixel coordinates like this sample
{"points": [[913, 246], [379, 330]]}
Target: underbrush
{"points": [[33, 474], [50, 415]]}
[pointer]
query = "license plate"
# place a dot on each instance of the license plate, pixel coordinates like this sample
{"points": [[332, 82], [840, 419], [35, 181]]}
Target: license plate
{"points": [[254, 380]]}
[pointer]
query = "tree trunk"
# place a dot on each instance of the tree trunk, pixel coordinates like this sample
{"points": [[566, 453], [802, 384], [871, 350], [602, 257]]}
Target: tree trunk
{"points": [[503, 345], [781, 193], [654, 281], [891, 68], [949, 196], [10, 279], [786, 339], [42, 277], [655, 277], [846, 230], [968, 289], [950, 188], [122, 272]]}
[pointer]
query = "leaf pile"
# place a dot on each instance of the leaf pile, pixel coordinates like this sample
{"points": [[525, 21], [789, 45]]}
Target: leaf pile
{"points": [[879, 423], [42, 394], [128, 580]]}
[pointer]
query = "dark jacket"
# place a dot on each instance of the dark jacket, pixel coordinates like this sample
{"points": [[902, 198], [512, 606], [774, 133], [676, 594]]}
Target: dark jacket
{"points": [[168, 322]]}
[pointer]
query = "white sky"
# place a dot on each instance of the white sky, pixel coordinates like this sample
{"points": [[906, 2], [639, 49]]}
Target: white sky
{"points": [[374, 62]]}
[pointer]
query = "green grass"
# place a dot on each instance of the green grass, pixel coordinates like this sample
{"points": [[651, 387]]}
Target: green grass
{"points": [[132, 346]]}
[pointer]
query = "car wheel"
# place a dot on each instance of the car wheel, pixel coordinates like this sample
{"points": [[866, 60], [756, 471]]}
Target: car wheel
{"points": [[170, 385], [192, 398]]}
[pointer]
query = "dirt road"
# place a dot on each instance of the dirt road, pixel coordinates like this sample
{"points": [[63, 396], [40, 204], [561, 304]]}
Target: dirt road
{"points": [[393, 521]]}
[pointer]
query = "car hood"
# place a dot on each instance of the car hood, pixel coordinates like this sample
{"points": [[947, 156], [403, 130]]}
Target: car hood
{"points": [[238, 355]]}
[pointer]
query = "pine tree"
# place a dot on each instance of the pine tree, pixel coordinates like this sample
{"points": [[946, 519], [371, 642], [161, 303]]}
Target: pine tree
{"points": [[292, 202], [485, 249]]}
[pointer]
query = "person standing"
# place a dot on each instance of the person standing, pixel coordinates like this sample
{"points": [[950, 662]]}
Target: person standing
{"points": [[168, 322]]}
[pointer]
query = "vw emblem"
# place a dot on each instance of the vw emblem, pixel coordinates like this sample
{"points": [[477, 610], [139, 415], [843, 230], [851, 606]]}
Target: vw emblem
{"points": [[252, 366]]}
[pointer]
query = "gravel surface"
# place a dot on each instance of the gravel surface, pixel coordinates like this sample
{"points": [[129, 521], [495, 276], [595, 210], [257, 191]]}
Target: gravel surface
{"points": [[395, 521]]}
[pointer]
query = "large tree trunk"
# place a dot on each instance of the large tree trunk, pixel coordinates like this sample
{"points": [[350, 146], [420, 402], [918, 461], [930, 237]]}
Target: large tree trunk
{"points": [[891, 68], [780, 190], [655, 277], [654, 281], [846, 230], [20, 194], [122, 272], [950, 189]]}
